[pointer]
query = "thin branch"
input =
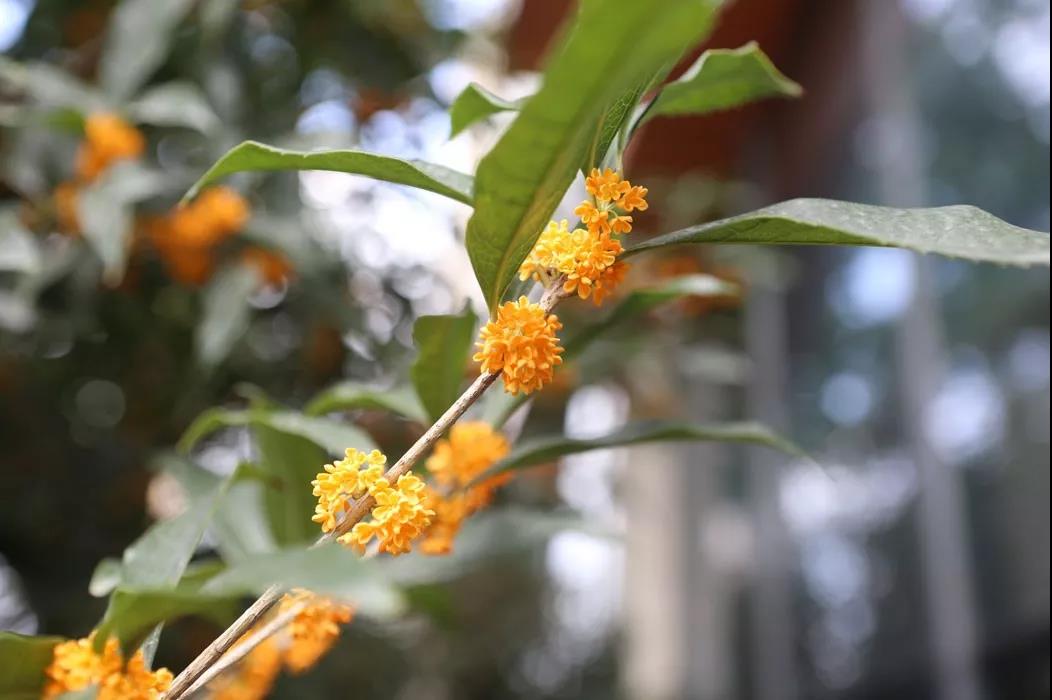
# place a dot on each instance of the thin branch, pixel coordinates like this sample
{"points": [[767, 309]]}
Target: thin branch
{"points": [[358, 510], [243, 649]]}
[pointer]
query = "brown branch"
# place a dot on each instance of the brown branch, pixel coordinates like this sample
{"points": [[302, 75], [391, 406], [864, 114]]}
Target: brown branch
{"points": [[358, 510], [244, 648]]}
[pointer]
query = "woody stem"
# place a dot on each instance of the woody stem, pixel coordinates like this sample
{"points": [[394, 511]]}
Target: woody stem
{"points": [[209, 657]]}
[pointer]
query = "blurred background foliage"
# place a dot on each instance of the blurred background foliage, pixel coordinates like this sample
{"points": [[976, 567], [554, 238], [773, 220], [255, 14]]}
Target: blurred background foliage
{"points": [[104, 363]]}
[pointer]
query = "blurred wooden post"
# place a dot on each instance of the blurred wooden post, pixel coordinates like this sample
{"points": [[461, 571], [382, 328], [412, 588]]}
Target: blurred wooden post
{"points": [[678, 612], [941, 517], [656, 656], [772, 626]]}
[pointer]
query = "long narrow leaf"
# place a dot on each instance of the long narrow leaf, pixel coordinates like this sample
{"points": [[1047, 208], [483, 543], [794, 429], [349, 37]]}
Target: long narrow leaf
{"points": [[253, 156], [545, 449], [611, 48], [957, 231]]}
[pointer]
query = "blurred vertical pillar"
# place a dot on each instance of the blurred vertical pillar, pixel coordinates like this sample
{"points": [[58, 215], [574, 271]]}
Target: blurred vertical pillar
{"points": [[772, 626], [678, 608], [657, 543], [710, 612], [941, 518]]}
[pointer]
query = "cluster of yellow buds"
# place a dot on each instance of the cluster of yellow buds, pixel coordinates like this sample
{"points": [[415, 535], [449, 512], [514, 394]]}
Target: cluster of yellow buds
{"points": [[400, 513], [107, 140], [314, 629], [75, 665], [187, 235], [307, 638], [521, 344], [587, 258], [254, 676], [471, 448]]}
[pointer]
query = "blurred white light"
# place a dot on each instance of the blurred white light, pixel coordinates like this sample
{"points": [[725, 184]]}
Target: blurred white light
{"points": [[1028, 361], [328, 117], [874, 287], [13, 16], [966, 417], [927, 10], [1021, 52], [847, 398], [468, 15]]}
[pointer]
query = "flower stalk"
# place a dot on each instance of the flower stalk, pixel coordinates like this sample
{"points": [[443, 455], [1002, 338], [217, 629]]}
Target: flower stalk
{"points": [[203, 667]]}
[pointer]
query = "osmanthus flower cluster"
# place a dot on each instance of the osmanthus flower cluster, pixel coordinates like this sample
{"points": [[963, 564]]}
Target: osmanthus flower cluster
{"points": [[400, 513], [298, 647], [471, 448], [75, 665], [186, 237], [522, 345], [108, 139], [587, 258]]}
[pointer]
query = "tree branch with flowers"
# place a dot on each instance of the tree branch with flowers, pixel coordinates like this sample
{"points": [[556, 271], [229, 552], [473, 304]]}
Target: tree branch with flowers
{"points": [[379, 523]]}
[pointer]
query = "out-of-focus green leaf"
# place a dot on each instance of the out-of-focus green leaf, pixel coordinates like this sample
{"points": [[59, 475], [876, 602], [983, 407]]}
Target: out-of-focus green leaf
{"points": [[160, 556], [293, 448], [137, 43], [22, 662], [174, 104], [545, 449], [291, 462], [723, 79], [239, 526], [474, 103], [226, 313], [49, 86], [957, 231], [19, 251], [640, 301], [348, 396], [251, 155], [443, 344], [133, 612], [105, 213], [327, 569], [334, 437], [611, 48], [500, 406]]}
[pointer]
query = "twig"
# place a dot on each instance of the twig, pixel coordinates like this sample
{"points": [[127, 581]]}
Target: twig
{"points": [[240, 651], [358, 510]]}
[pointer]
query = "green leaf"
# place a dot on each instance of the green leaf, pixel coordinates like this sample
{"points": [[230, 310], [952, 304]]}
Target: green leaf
{"points": [[334, 437], [348, 396], [240, 525], [137, 43], [105, 213], [133, 612], [293, 448], [22, 662], [328, 569], [474, 103], [614, 119], [443, 344], [290, 462], [254, 156], [957, 231], [545, 449], [49, 86], [226, 313], [723, 79], [174, 104], [611, 48], [640, 301], [500, 406]]}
